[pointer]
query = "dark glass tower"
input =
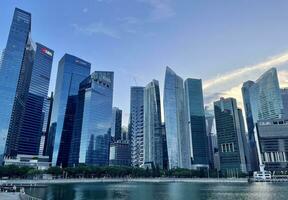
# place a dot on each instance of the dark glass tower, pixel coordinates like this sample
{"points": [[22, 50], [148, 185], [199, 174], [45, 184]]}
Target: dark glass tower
{"points": [[136, 125], [14, 80], [153, 149], [71, 72], [93, 119], [197, 124], [116, 124], [34, 111]]}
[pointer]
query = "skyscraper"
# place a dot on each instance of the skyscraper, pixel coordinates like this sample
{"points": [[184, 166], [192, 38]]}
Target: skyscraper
{"points": [[262, 100], [71, 72], [14, 71], [230, 137], [284, 95], [153, 150], [176, 121], [116, 124], [136, 122], [34, 111], [197, 124], [93, 119]]}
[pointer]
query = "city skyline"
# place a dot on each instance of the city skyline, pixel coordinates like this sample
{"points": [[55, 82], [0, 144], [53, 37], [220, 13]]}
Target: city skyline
{"points": [[189, 64]]}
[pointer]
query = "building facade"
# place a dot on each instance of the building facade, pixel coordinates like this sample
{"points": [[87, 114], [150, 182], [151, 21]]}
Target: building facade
{"points": [[284, 95], [119, 153], [136, 125], [230, 137], [93, 119], [153, 149], [71, 72], [197, 124], [13, 69], [176, 121], [273, 140]]}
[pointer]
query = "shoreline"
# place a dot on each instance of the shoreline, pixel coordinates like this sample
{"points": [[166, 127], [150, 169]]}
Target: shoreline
{"points": [[122, 180]]}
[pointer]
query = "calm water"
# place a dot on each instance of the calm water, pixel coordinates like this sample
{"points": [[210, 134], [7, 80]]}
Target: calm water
{"points": [[163, 191]]}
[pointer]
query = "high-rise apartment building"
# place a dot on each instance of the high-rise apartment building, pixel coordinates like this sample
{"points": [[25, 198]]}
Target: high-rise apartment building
{"points": [[15, 68], [116, 124], [93, 120], [230, 137], [197, 124], [71, 72], [176, 121], [136, 125], [153, 149]]}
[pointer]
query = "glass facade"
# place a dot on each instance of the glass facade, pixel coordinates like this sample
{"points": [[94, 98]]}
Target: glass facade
{"points": [[284, 95], [93, 120], [71, 72], [176, 121], [197, 124], [230, 137], [34, 111], [116, 124], [153, 150], [12, 70], [136, 123]]}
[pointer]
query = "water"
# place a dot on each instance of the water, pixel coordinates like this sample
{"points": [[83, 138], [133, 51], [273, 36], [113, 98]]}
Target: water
{"points": [[163, 191]]}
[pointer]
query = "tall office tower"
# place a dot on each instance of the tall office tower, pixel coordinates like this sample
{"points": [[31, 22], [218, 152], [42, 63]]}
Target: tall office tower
{"points": [[71, 72], [164, 147], [34, 109], [93, 120], [273, 140], [212, 139], [230, 137], [284, 95], [116, 124], [176, 121], [153, 149], [124, 133], [262, 100], [13, 70], [136, 122], [47, 150], [197, 124]]}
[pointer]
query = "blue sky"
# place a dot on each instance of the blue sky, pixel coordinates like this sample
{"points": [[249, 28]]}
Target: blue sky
{"points": [[137, 39]]}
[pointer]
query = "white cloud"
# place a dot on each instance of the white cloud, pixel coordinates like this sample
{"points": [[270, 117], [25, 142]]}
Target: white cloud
{"points": [[96, 28]]}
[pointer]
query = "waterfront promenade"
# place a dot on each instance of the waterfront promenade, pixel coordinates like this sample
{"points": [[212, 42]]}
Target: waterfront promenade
{"points": [[42, 182]]}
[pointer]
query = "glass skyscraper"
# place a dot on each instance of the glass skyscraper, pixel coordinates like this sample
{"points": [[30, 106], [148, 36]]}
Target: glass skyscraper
{"points": [[284, 95], [176, 121], [230, 137], [197, 124], [34, 112], [116, 124], [153, 149], [13, 72], [71, 72], [136, 123], [93, 119]]}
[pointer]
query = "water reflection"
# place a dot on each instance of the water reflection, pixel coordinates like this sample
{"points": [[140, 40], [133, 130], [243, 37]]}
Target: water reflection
{"points": [[163, 191]]}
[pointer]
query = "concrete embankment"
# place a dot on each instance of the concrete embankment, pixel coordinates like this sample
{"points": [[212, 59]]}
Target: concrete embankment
{"points": [[39, 183]]}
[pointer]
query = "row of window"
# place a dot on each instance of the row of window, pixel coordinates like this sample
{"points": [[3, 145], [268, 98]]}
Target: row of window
{"points": [[227, 147]]}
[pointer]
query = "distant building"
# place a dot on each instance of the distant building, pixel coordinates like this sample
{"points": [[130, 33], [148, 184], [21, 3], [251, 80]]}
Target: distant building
{"points": [[197, 124], [116, 124], [214, 161], [92, 123], [71, 72], [230, 137], [164, 147], [284, 95], [48, 150], [120, 153], [37, 162], [153, 149], [15, 72], [136, 125], [273, 140], [176, 121]]}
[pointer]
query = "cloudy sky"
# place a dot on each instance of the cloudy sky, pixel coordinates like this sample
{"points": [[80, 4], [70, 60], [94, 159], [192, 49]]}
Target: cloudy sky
{"points": [[224, 42]]}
